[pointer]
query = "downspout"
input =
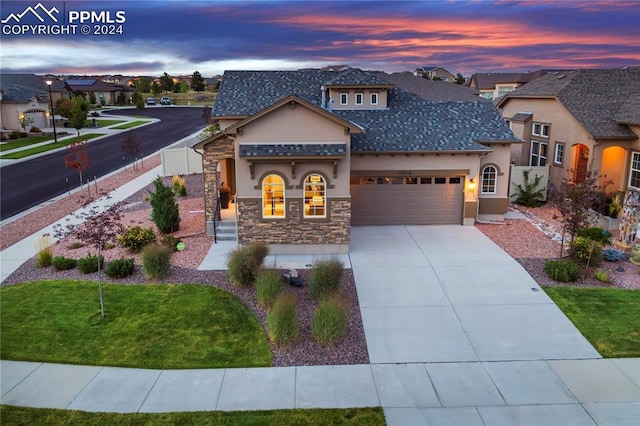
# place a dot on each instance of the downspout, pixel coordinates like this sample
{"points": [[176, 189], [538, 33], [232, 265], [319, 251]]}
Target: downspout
{"points": [[201, 154]]}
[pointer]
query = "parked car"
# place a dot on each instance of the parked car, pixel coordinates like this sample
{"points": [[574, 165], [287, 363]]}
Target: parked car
{"points": [[151, 101], [165, 100]]}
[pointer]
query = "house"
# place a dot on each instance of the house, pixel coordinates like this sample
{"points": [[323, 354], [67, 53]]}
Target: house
{"points": [[310, 153], [106, 93], [432, 90], [434, 73], [495, 85], [27, 95], [573, 119]]}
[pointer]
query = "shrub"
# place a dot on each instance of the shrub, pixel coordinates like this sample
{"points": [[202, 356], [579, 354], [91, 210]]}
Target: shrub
{"points": [[14, 135], [136, 238], [171, 242], [585, 250], [62, 263], [165, 212], [245, 262], [269, 286], [74, 246], [602, 276], [325, 278], [35, 129], [90, 263], [120, 268], [156, 261], [596, 234], [329, 322], [529, 194], [179, 185], [562, 270], [282, 322], [612, 255], [45, 254]]}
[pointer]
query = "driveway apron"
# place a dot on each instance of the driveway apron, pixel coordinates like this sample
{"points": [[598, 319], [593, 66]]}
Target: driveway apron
{"points": [[449, 294]]}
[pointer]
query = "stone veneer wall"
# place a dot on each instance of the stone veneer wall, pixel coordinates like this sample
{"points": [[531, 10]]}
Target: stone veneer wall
{"points": [[335, 229], [213, 153]]}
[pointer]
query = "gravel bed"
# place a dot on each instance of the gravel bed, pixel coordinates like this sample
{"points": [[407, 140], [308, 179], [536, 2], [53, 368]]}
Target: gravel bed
{"points": [[534, 240]]}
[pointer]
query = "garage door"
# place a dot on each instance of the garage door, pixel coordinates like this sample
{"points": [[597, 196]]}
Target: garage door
{"points": [[419, 200]]}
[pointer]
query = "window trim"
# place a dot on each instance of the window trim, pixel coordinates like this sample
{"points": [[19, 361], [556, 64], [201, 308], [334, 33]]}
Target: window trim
{"points": [[284, 197], [543, 130], [376, 96], [344, 98], [359, 98], [537, 154], [555, 153], [323, 195], [485, 185], [633, 170]]}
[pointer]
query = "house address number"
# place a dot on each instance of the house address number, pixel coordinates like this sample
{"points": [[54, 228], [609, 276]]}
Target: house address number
{"points": [[405, 172]]}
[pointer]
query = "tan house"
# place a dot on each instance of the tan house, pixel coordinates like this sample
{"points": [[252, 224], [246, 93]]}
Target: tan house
{"points": [[308, 154], [435, 74], [493, 86], [573, 119], [27, 95]]}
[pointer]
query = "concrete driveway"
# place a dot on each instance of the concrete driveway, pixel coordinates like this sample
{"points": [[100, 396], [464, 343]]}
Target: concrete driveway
{"points": [[449, 294]]}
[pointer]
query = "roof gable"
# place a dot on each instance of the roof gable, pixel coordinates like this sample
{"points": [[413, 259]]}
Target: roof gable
{"points": [[24, 87]]}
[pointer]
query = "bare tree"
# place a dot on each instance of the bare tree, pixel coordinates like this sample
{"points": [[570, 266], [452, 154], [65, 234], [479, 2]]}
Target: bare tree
{"points": [[576, 202], [77, 159], [95, 227], [132, 146]]}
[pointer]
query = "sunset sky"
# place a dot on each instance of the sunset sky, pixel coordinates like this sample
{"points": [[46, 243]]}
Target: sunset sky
{"points": [[179, 37]]}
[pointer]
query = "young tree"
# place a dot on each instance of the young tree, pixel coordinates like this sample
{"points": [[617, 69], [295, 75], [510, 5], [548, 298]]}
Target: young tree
{"points": [[96, 229], [78, 115], [176, 87], [131, 145], [77, 159], [165, 212], [143, 85], [166, 82], [460, 79], [184, 87], [197, 82], [155, 88], [63, 107], [25, 121], [575, 202], [92, 98]]}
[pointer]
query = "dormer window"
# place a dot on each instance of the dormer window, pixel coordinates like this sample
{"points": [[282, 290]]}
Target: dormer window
{"points": [[374, 99], [359, 98], [344, 98]]}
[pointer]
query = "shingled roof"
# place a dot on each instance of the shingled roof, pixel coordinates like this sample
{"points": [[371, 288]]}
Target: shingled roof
{"points": [[600, 99], [439, 91], [24, 87], [408, 124]]}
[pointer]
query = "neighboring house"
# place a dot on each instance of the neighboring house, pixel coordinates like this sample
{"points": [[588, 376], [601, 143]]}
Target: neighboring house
{"points": [[573, 119], [435, 73], [432, 90], [27, 95], [106, 93], [496, 85], [310, 153]]}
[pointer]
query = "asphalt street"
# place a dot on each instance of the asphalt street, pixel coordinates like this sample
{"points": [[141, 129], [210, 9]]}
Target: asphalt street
{"points": [[29, 183]]}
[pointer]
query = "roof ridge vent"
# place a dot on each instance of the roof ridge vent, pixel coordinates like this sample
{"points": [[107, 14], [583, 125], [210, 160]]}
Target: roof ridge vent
{"points": [[561, 76]]}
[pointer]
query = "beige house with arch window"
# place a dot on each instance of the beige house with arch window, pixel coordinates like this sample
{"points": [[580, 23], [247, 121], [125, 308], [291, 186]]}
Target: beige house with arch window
{"points": [[309, 154], [572, 120]]}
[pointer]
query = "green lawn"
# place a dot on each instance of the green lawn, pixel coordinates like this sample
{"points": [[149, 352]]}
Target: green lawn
{"points": [[608, 317], [146, 326], [17, 416], [103, 122], [20, 142], [130, 125], [48, 147]]}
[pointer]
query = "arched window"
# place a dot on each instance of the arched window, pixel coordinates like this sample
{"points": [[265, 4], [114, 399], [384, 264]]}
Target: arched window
{"points": [[273, 201], [489, 179], [315, 196]]}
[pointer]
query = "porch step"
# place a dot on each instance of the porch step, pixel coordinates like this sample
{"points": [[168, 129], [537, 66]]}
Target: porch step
{"points": [[226, 231]]}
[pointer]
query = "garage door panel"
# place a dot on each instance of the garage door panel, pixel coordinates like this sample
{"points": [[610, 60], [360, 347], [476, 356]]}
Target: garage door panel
{"points": [[406, 204]]}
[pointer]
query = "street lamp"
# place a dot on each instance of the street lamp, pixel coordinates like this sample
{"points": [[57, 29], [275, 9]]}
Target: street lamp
{"points": [[53, 115]]}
